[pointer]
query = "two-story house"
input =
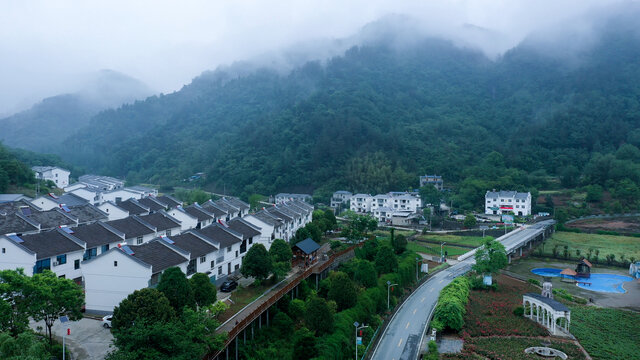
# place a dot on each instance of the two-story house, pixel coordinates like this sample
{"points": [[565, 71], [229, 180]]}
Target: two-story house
{"points": [[503, 202], [58, 176], [136, 231]]}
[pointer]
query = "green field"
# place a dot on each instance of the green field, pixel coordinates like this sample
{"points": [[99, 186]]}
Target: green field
{"points": [[606, 244], [606, 333], [386, 233], [435, 249], [474, 241]]}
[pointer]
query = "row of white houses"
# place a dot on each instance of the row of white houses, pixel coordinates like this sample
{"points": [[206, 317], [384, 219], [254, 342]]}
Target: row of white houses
{"points": [[391, 207], [129, 244]]}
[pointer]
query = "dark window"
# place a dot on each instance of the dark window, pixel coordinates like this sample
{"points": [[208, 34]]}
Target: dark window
{"points": [[169, 232], [213, 263], [219, 270], [4, 250], [203, 259], [191, 268], [236, 253], [76, 264], [115, 263], [41, 265], [105, 248], [90, 253], [139, 240], [61, 259]]}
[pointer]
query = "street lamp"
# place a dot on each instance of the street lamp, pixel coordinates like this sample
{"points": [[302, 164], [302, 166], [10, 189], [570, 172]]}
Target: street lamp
{"points": [[358, 327], [389, 285], [441, 255], [417, 267]]}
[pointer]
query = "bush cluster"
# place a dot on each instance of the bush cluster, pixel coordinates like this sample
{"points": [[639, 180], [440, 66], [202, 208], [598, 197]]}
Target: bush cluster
{"points": [[449, 312]]}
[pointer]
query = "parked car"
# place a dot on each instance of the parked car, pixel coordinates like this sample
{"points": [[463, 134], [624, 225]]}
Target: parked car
{"points": [[228, 286], [106, 321]]}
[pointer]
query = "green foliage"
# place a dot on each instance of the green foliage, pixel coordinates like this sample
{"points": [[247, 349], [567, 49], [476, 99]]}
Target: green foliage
{"points": [[257, 263], [491, 257], [342, 290], [518, 311], [192, 196], [204, 292], [25, 346], [399, 243], [318, 317], [470, 221], [430, 195], [369, 250], [359, 226], [433, 351], [142, 306], [534, 282], [280, 251], [594, 193], [51, 297], [15, 288], [282, 324], [176, 287], [13, 171], [451, 304], [304, 346], [386, 260], [365, 273], [297, 309]]}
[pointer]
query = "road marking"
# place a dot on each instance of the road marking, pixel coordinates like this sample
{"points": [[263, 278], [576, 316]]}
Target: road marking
{"points": [[440, 282], [422, 300], [414, 311], [399, 342], [406, 327]]}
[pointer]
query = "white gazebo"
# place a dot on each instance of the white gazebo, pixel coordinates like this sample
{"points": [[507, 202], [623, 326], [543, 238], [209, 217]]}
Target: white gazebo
{"points": [[555, 316]]}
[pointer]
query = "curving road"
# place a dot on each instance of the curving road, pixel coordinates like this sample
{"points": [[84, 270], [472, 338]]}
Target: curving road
{"points": [[402, 337]]}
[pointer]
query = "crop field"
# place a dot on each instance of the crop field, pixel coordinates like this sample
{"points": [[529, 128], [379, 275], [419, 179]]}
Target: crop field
{"points": [[606, 244], [607, 333]]}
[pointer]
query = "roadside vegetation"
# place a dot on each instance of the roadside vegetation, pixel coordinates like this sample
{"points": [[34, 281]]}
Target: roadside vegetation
{"points": [[597, 248]]}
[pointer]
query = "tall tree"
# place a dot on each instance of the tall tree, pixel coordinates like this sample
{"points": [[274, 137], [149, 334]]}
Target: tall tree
{"points": [[318, 317], [386, 260], [204, 292], [176, 287], [146, 305], [51, 297], [342, 290], [399, 243], [257, 263], [15, 288], [491, 257]]}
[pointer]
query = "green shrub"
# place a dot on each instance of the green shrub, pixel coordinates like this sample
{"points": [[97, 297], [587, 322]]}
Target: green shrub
{"points": [[518, 311], [534, 282]]}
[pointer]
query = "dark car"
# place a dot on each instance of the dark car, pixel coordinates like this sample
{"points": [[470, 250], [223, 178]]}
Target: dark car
{"points": [[228, 286]]}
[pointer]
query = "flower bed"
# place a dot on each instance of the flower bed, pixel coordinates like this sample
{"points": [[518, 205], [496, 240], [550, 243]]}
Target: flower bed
{"points": [[511, 348], [491, 312]]}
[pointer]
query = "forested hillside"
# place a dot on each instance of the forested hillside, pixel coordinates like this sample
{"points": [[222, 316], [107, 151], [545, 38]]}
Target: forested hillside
{"points": [[13, 172], [46, 124], [380, 115]]}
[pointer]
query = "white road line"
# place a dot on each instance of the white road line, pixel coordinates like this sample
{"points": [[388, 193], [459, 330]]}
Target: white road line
{"points": [[414, 311], [399, 342], [422, 300], [406, 327]]}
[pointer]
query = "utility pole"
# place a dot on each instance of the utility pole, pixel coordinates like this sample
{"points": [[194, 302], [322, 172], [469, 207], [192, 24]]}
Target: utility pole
{"points": [[389, 285], [358, 327], [441, 254], [417, 268]]}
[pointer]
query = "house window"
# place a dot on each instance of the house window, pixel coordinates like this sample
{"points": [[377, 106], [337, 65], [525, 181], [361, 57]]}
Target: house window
{"points": [[139, 240], [213, 264], [90, 254], [4, 250], [219, 270], [61, 259], [169, 232], [203, 259], [76, 264], [236, 267], [115, 264], [250, 241], [229, 249], [41, 265], [105, 248], [236, 254]]}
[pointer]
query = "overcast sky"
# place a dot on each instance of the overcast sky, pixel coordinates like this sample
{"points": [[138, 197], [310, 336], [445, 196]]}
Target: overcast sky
{"points": [[46, 47]]}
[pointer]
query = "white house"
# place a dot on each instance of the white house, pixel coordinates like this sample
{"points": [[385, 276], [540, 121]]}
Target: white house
{"points": [[115, 212], [92, 195], [58, 175], [203, 252], [136, 231], [50, 201], [119, 195], [361, 203], [270, 227], [284, 197], [101, 183], [187, 221], [98, 238], [56, 250], [434, 180], [229, 257], [405, 202], [111, 277], [205, 218], [503, 202], [165, 224], [340, 198]]}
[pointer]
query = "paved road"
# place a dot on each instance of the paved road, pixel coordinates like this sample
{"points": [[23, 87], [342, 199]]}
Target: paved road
{"points": [[88, 340], [401, 339]]}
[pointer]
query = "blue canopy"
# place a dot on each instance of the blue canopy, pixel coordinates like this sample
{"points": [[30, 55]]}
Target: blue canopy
{"points": [[308, 246]]}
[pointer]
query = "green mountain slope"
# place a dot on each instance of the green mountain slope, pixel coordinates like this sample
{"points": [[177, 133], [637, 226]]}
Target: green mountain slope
{"points": [[381, 114]]}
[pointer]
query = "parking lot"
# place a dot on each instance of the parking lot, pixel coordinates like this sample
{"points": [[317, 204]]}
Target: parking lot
{"points": [[88, 339]]}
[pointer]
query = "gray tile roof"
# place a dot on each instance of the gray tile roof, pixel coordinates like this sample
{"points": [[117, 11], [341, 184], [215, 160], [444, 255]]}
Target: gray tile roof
{"points": [[267, 218], [52, 218], [506, 194], [132, 227], [13, 223], [237, 203], [169, 200], [70, 199], [152, 203], [194, 243], [198, 212], [307, 246], [133, 207], [88, 213], [158, 255], [51, 243], [211, 207], [224, 236], [97, 234], [279, 214], [226, 206], [11, 197], [161, 221], [246, 229]]}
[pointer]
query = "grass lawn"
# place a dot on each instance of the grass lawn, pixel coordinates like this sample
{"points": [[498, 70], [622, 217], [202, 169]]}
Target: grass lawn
{"points": [[387, 233], [474, 241], [435, 249], [606, 333], [606, 244]]}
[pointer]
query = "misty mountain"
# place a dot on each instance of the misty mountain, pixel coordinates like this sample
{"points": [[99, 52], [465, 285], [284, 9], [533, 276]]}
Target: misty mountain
{"points": [[382, 113], [46, 124]]}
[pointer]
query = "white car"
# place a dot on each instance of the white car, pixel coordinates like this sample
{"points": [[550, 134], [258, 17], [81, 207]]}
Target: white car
{"points": [[106, 321]]}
